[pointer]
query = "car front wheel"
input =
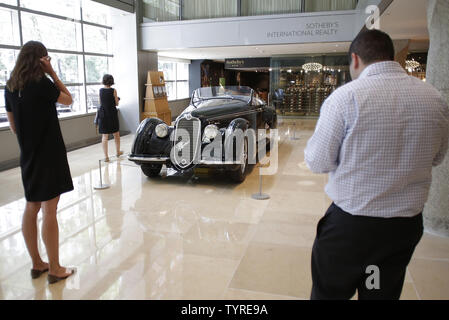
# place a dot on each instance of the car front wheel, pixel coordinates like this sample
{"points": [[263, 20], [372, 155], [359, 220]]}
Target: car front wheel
{"points": [[151, 170], [239, 175]]}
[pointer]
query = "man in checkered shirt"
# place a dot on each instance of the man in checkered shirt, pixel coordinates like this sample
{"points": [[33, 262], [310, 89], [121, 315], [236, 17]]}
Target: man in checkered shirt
{"points": [[378, 138]]}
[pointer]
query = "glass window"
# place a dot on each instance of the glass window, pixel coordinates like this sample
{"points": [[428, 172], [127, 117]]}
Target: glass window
{"points": [[182, 71], [10, 2], [76, 107], [301, 84], [169, 69], [9, 26], [80, 67], [171, 90], [160, 10], [69, 67], [93, 97], [176, 76], [96, 12], [329, 5], [96, 67], [64, 8], [97, 40], [53, 33], [265, 7], [3, 118], [182, 89], [207, 9], [7, 62]]}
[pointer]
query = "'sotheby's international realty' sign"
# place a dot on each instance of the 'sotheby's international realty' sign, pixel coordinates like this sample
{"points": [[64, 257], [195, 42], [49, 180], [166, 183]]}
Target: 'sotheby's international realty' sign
{"points": [[313, 29]]}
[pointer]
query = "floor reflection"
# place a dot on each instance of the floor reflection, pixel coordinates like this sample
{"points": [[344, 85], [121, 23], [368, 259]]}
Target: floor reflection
{"points": [[193, 236]]}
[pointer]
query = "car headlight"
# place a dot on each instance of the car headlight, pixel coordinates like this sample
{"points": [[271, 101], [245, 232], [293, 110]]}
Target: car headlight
{"points": [[161, 130], [210, 132]]}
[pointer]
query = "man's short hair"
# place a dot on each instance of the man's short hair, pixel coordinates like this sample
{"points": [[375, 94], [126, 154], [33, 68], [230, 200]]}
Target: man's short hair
{"points": [[108, 80], [372, 46]]}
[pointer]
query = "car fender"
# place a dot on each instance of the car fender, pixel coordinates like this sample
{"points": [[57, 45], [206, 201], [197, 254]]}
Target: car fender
{"points": [[235, 124], [270, 117], [147, 143]]}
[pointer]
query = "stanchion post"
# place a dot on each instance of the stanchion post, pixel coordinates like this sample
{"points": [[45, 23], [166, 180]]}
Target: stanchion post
{"points": [[101, 186], [294, 132], [260, 195]]}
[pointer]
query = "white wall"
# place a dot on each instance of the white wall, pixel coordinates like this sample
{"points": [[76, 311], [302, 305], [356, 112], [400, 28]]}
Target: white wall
{"points": [[125, 69], [258, 30]]}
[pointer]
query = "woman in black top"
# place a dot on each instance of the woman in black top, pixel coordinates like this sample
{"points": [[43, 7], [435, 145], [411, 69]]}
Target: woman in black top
{"points": [[108, 115], [30, 103]]}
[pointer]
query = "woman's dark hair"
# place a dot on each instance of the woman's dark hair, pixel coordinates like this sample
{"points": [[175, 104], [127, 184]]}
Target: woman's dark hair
{"points": [[28, 66], [108, 80], [372, 46]]}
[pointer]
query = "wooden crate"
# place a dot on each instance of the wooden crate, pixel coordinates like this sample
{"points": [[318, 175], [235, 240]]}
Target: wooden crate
{"points": [[155, 78], [155, 92], [164, 116], [156, 105]]}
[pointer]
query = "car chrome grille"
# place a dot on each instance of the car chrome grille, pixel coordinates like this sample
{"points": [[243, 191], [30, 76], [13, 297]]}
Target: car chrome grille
{"points": [[187, 142]]}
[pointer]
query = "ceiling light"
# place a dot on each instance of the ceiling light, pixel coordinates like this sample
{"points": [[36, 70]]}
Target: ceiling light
{"points": [[312, 66], [411, 65]]}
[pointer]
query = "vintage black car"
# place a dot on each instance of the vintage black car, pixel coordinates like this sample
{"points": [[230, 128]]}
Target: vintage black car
{"points": [[206, 134]]}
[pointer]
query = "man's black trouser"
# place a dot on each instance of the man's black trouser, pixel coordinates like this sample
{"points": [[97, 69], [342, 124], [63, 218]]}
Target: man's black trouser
{"points": [[347, 247]]}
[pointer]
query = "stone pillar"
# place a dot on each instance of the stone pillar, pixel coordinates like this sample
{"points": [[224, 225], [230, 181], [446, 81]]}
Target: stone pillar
{"points": [[436, 211]]}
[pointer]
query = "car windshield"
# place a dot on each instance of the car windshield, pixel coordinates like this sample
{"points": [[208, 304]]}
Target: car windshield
{"points": [[231, 92]]}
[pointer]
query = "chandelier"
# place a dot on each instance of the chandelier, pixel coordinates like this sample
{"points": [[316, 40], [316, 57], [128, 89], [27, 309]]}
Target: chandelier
{"points": [[411, 65], [312, 66]]}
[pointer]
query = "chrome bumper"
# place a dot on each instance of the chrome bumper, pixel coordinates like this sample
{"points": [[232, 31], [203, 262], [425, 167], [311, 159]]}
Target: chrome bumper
{"points": [[166, 159], [218, 162], [148, 159]]}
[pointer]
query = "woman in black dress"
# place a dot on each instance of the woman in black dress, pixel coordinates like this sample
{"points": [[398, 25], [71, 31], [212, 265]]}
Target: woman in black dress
{"points": [[108, 115], [30, 103]]}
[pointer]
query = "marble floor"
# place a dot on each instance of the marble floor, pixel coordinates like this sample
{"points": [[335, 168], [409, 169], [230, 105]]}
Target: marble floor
{"points": [[193, 237]]}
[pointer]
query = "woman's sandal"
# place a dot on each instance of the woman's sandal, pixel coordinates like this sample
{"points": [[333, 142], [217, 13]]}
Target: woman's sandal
{"points": [[37, 273], [53, 279], [119, 154], [106, 160]]}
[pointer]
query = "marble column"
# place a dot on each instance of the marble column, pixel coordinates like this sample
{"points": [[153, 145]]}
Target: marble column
{"points": [[436, 211]]}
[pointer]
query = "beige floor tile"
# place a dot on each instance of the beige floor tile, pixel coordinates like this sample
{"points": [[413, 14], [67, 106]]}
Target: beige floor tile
{"points": [[237, 294], [188, 237], [433, 247], [190, 277], [409, 292], [218, 239], [301, 202], [15, 293], [275, 269], [312, 183], [285, 234], [430, 278], [291, 217]]}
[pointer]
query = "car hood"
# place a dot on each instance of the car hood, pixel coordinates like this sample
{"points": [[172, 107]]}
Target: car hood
{"points": [[215, 108]]}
